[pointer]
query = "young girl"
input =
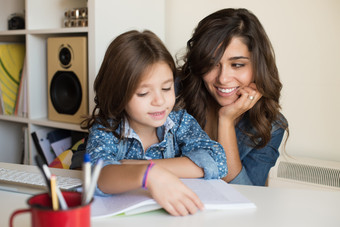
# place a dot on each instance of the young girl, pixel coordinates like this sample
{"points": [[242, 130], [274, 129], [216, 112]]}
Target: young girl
{"points": [[133, 119]]}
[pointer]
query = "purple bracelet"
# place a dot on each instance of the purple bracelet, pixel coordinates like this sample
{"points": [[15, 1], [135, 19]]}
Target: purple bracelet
{"points": [[145, 177]]}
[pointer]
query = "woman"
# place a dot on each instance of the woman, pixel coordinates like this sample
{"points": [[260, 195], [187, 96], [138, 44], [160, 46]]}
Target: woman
{"points": [[230, 83]]}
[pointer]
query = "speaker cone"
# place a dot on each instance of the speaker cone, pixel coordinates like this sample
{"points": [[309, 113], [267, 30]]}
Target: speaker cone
{"points": [[65, 57], [65, 92]]}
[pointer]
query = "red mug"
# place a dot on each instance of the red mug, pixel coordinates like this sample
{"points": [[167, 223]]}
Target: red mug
{"points": [[42, 214]]}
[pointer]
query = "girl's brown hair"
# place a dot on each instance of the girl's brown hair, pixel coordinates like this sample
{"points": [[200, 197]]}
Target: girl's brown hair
{"points": [[126, 59], [205, 49]]}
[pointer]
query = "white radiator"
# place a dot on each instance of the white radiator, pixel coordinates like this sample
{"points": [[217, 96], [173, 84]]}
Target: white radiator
{"points": [[296, 172]]}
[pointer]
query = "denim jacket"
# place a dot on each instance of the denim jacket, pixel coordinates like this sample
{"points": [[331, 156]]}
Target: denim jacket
{"points": [[180, 136], [257, 162]]}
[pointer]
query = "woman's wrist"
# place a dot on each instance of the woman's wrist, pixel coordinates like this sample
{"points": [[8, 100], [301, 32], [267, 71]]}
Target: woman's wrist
{"points": [[225, 122]]}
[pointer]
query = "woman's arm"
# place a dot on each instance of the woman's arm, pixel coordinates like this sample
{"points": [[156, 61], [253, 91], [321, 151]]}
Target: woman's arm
{"points": [[227, 138], [228, 116]]}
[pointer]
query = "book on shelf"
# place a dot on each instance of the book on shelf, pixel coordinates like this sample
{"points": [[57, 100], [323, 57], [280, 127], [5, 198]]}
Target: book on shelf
{"points": [[21, 101], [1, 103], [25, 159], [215, 195], [11, 64], [43, 144]]}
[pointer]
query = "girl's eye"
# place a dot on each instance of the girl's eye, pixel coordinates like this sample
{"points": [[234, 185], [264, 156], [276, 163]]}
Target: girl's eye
{"points": [[142, 94], [166, 89]]}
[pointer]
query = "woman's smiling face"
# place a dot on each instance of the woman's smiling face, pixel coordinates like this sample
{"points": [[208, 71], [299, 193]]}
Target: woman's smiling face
{"points": [[234, 71]]}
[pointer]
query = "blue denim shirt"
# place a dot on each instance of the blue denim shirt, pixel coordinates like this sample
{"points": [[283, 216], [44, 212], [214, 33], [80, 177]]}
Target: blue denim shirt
{"points": [[257, 162], [180, 136]]}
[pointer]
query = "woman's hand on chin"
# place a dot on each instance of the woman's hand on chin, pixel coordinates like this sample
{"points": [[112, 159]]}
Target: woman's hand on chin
{"points": [[248, 97]]}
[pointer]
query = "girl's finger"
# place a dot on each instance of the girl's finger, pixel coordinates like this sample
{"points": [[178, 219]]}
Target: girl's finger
{"points": [[190, 206], [196, 202], [170, 209], [181, 209]]}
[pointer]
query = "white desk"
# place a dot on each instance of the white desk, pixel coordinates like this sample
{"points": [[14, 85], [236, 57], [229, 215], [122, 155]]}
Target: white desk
{"points": [[275, 207]]}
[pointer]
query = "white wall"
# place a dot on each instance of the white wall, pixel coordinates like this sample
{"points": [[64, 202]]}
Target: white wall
{"points": [[306, 38], [112, 18]]}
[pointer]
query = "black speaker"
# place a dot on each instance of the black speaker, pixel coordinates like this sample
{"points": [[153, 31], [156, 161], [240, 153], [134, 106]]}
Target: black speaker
{"points": [[67, 78]]}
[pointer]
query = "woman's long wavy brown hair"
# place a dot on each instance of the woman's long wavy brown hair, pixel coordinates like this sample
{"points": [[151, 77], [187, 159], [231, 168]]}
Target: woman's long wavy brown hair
{"points": [[205, 49], [125, 61]]}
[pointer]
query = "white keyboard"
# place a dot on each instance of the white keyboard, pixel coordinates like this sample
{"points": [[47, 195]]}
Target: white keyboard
{"points": [[35, 180]]}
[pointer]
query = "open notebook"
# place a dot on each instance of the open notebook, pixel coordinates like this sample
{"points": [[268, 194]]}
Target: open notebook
{"points": [[215, 194]]}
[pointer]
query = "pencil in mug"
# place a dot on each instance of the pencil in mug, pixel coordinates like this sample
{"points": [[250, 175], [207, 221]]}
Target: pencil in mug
{"points": [[47, 175], [55, 203], [86, 177], [93, 183]]}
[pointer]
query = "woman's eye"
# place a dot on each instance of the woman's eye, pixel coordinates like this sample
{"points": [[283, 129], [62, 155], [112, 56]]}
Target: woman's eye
{"points": [[215, 67], [166, 89], [237, 65]]}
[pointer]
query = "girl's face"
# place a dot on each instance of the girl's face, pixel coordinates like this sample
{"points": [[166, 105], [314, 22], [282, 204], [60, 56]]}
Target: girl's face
{"points": [[153, 99], [233, 72]]}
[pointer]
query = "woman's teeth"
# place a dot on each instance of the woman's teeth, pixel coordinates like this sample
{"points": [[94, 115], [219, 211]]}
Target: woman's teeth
{"points": [[228, 90]]}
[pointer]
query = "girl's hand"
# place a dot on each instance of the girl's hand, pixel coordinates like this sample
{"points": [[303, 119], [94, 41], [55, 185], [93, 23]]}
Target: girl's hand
{"points": [[248, 98], [171, 193]]}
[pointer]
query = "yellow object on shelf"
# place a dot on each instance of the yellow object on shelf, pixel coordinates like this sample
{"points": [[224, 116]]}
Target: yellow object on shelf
{"points": [[12, 57]]}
